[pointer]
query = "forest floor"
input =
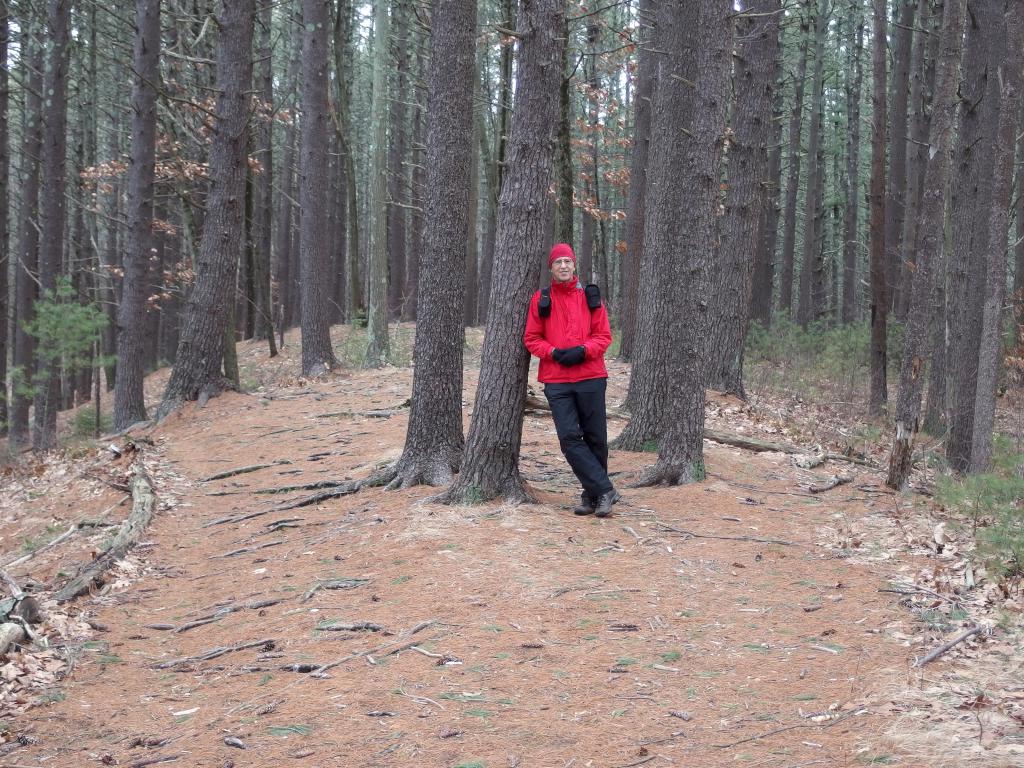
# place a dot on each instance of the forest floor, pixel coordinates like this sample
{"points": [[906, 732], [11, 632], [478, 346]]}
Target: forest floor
{"points": [[740, 621]]}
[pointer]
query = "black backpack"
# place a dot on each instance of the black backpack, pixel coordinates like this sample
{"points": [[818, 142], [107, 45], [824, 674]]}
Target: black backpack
{"points": [[592, 291]]}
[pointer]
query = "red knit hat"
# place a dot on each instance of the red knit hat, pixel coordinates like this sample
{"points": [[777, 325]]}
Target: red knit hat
{"points": [[561, 251]]}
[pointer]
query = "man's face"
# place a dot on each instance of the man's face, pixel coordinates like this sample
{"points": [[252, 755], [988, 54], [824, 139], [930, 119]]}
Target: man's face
{"points": [[562, 269]]}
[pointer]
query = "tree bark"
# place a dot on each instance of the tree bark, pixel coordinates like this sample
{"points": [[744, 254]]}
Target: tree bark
{"points": [[1018, 270], [895, 197], [397, 195], [681, 458], [46, 402], [490, 466], [565, 213], [263, 204], [746, 197], [812, 197], [317, 353], [197, 369], [990, 354], [129, 399], [876, 197], [851, 217], [5, 262], [928, 247], [377, 346], [629, 262], [433, 440], [793, 158], [656, 304]]}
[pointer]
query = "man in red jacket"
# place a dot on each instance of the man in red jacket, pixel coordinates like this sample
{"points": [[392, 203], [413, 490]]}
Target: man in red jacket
{"points": [[567, 328]]}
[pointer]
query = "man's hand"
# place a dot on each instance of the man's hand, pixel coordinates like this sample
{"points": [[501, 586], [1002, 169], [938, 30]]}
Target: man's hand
{"points": [[569, 356]]}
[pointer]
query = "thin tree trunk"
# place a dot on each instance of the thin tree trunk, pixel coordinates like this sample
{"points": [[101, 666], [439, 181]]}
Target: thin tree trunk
{"points": [[681, 458], [491, 463], [876, 198], [928, 247], [377, 346], [51, 214], [417, 197], [398, 198], [263, 208], [129, 399], [629, 262], [564, 177], [851, 218], [793, 159], [895, 197], [812, 197], [433, 440], [197, 368], [990, 354], [317, 353], [1018, 269], [4, 235]]}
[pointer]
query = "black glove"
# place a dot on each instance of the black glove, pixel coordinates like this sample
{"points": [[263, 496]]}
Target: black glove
{"points": [[569, 356]]}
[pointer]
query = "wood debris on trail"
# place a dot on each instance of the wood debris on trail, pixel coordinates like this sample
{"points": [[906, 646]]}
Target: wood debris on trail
{"points": [[774, 620]]}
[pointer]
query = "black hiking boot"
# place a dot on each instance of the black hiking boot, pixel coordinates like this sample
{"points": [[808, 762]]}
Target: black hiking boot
{"points": [[586, 505], [605, 502]]}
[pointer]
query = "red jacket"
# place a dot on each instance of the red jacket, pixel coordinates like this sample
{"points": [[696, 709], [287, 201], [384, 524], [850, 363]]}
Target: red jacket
{"points": [[570, 324]]}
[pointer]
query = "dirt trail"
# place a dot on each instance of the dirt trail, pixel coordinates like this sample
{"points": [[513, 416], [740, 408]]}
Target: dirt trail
{"points": [[542, 639]]}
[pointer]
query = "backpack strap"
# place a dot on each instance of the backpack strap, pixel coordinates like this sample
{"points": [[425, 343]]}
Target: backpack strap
{"points": [[593, 294], [544, 304]]}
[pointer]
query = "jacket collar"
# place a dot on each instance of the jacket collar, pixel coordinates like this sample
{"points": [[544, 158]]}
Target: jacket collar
{"points": [[567, 287]]}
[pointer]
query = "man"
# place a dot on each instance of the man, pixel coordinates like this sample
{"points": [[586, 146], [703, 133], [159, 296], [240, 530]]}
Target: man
{"points": [[567, 328]]}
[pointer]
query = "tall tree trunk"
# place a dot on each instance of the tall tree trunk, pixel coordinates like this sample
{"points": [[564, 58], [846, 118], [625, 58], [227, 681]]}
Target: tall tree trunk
{"points": [[26, 280], [377, 346], [417, 197], [471, 276], [197, 368], [990, 354], [1018, 269], [398, 199], [670, 148], [971, 193], [589, 169], [747, 192], [51, 214], [681, 458], [768, 226], [812, 198], [491, 463], [263, 202], [317, 353], [793, 157], [895, 196], [433, 440], [4, 234], [129, 399], [851, 217], [564, 177], [928, 247], [876, 199], [629, 262]]}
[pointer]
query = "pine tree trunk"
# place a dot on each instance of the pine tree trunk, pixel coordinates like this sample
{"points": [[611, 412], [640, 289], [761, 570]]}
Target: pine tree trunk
{"points": [[681, 458], [263, 203], [317, 353], [971, 193], [851, 216], [417, 196], [377, 346], [564, 177], [471, 276], [768, 226], [491, 464], [812, 197], [876, 198], [5, 262], [197, 368], [928, 246], [51, 214], [397, 196], [1018, 269], [129, 399], [433, 440], [990, 355], [794, 156], [648, 385], [110, 257], [895, 197], [629, 262], [746, 196]]}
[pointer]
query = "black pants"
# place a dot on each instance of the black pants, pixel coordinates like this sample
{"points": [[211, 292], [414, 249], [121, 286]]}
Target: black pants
{"points": [[579, 412]]}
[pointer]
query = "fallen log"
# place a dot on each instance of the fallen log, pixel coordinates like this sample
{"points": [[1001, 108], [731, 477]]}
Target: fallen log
{"points": [[143, 504]]}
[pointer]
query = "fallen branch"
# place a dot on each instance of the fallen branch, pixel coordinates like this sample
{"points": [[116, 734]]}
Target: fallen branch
{"points": [[243, 470], [828, 724], [724, 538], [143, 504], [214, 653], [379, 652], [246, 550], [25, 558], [222, 612], [236, 518], [154, 761], [832, 482], [333, 584], [946, 646]]}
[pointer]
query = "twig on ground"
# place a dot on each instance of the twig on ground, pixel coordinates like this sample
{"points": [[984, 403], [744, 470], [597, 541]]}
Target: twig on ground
{"points": [[221, 612], [948, 645], [668, 527], [213, 653], [827, 724], [243, 470], [43, 548], [245, 550]]}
